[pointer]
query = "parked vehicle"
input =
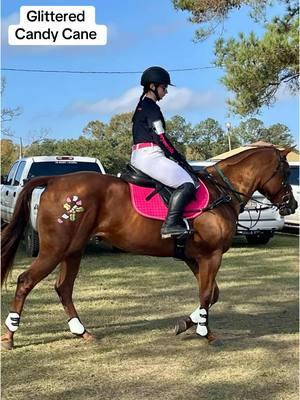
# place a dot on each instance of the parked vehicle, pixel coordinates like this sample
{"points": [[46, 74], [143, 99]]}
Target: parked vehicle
{"points": [[259, 221], [27, 168], [293, 220]]}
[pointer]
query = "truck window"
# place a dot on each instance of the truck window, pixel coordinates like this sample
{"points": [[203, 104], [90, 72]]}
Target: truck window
{"points": [[19, 173], [12, 173], [60, 168]]}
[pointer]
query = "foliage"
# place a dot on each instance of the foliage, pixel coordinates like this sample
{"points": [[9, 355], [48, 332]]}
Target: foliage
{"points": [[255, 67], [253, 130], [112, 142], [208, 12], [207, 137], [9, 154], [118, 136], [95, 130], [179, 131], [46, 147], [7, 113]]}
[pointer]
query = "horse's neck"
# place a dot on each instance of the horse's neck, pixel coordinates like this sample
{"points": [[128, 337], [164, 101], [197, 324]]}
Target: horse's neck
{"points": [[246, 176]]}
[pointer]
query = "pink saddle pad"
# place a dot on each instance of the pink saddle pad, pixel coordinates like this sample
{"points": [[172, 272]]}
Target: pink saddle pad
{"points": [[155, 207]]}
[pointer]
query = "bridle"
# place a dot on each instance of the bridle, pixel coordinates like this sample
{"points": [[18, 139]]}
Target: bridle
{"points": [[285, 186]]}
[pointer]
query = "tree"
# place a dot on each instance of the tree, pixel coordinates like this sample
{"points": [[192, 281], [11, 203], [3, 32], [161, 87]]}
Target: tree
{"points": [[180, 132], [7, 113], [253, 130], [9, 154], [255, 68], [249, 131], [114, 139], [118, 134], [209, 13], [278, 134], [95, 129], [9, 150], [208, 140], [45, 147]]}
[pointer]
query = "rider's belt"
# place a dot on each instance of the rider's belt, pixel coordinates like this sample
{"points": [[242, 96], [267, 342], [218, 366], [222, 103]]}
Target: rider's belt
{"points": [[142, 145]]}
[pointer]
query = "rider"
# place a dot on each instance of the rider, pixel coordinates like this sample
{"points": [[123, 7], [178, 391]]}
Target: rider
{"points": [[154, 154]]}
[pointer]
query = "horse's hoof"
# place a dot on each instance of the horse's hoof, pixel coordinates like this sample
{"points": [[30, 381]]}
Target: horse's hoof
{"points": [[7, 344], [213, 340], [88, 337], [183, 325]]}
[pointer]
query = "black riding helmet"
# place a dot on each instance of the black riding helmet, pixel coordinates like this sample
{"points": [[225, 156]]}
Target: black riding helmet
{"points": [[156, 75]]}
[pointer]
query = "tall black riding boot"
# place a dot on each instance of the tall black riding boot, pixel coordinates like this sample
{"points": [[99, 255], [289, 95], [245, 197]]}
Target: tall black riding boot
{"points": [[174, 225]]}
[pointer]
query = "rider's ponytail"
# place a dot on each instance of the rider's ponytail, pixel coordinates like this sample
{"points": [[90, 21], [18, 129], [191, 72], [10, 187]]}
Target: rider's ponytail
{"points": [[145, 90]]}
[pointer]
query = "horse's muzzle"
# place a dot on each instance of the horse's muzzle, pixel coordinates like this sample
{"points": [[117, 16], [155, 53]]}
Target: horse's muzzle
{"points": [[288, 208]]}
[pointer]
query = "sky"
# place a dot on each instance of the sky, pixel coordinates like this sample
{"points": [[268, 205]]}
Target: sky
{"points": [[141, 33]]}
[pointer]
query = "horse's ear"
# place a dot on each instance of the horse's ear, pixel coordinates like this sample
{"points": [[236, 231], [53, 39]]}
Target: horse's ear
{"points": [[286, 151]]}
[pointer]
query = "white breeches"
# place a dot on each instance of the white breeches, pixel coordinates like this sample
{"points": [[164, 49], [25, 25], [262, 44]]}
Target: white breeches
{"points": [[153, 162]]}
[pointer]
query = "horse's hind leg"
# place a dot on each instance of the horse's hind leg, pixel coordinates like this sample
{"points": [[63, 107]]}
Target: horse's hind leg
{"points": [[42, 266], [64, 285]]}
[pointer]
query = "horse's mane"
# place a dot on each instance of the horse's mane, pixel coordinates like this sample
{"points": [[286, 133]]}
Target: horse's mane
{"points": [[236, 158]]}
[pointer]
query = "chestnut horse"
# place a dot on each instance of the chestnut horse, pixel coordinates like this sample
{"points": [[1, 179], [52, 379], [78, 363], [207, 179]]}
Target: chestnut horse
{"points": [[77, 206]]}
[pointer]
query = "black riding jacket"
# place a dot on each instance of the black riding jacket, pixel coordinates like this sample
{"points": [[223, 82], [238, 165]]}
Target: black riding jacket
{"points": [[149, 126]]}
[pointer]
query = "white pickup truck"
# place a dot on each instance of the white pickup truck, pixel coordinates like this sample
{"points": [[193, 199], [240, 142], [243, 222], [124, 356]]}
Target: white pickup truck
{"points": [[25, 169]]}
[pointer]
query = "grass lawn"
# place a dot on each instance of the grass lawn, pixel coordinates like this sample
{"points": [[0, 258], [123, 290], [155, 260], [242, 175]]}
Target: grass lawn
{"points": [[131, 304]]}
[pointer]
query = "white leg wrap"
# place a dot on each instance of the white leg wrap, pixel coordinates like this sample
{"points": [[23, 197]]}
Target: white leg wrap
{"points": [[202, 323], [12, 321], [76, 326], [195, 315]]}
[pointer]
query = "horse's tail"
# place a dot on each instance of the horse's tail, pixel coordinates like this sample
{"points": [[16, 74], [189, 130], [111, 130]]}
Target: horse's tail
{"points": [[13, 232]]}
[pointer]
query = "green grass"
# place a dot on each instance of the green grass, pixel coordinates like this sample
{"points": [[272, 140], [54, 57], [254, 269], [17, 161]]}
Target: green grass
{"points": [[131, 304]]}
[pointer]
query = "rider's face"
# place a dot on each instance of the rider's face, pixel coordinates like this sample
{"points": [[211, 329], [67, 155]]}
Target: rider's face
{"points": [[162, 90]]}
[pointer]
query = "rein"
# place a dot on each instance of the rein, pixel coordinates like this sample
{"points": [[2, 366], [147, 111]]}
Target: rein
{"points": [[229, 184]]}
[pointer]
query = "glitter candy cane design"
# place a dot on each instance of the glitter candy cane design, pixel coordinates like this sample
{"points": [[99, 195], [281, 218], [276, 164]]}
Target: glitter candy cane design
{"points": [[73, 207]]}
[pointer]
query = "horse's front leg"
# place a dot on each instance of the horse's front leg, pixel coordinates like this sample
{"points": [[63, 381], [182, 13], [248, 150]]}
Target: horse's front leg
{"points": [[205, 271], [186, 323], [208, 292]]}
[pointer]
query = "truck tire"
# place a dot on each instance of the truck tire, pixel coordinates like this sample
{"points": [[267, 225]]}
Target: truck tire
{"points": [[259, 238], [31, 242]]}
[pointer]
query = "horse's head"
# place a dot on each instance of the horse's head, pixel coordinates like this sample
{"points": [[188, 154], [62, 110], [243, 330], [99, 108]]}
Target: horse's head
{"points": [[276, 187]]}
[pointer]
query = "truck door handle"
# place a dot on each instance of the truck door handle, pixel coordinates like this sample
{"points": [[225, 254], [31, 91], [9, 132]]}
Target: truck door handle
{"points": [[6, 193], [14, 194]]}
